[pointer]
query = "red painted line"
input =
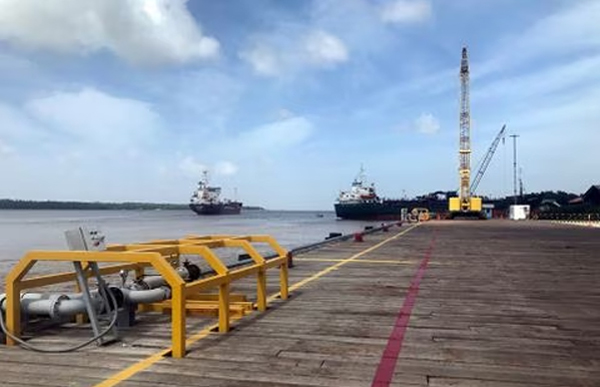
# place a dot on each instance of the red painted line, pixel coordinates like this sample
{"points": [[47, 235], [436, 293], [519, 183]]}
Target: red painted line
{"points": [[385, 370]]}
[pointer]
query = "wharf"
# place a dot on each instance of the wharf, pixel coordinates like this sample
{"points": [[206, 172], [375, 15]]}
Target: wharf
{"points": [[450, 303]]}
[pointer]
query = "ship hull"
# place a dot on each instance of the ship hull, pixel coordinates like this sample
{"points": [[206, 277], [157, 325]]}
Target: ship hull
{"points": [[233, 208], [389, 209], [368, 211]]}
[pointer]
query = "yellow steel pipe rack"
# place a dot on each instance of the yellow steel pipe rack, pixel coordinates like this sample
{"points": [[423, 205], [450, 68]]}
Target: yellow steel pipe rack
{"points": [[163, 256]]}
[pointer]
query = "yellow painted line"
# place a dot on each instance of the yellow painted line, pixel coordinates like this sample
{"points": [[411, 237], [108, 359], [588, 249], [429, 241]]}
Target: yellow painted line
{"points": [[134, 369], [144, 364], [356, 261], [342, 263], [147, 362]]}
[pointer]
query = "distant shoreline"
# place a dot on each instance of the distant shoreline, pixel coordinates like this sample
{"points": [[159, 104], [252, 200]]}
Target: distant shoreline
{"points": [[11, 204]]}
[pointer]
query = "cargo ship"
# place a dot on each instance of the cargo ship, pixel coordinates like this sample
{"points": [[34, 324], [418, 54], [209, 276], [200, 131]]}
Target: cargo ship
{"points": [[206, 200], [361, 202]]}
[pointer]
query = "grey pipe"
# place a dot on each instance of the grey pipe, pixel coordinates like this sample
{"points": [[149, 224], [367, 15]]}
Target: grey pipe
{"points": [[146, 296], [149, 282], [157, 281], [57, 306], [52, 305]]}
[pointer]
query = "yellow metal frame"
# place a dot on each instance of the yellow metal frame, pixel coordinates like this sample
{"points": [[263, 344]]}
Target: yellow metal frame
{"points": [[163, 256]]}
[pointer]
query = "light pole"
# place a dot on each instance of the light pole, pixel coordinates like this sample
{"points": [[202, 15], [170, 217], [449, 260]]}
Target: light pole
{"points": [[514, 137]]}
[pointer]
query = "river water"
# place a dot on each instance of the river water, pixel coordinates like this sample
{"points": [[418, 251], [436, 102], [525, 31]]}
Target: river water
{"points": [[23, 230]]}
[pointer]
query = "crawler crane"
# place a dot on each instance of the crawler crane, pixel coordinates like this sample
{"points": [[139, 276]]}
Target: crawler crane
{"points": [[465, 205]]}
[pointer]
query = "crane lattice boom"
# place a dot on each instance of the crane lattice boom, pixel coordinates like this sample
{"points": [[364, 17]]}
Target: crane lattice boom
{"points": [[464, 204], [465, 133], [487, 159]]}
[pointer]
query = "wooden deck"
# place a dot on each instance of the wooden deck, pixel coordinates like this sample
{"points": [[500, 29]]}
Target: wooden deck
{"points": [[475, 304]]}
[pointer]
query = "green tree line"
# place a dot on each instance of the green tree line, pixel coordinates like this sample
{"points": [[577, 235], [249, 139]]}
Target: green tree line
{"points": [[10, 204]]}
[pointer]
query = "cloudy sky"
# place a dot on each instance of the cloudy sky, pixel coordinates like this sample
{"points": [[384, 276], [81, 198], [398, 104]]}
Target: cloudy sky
{"points": [[128, 100]]}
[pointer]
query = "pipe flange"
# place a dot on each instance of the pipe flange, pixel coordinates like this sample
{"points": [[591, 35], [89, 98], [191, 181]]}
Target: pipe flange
{"points": [[167, 291], [140, 284], [55, 300]]}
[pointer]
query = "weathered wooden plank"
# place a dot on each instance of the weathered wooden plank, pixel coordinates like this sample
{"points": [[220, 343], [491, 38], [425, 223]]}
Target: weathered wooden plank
{"points": [[501, 304]]}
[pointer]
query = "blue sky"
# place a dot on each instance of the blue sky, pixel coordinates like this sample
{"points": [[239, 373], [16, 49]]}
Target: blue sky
{"points": [[126, 100]]}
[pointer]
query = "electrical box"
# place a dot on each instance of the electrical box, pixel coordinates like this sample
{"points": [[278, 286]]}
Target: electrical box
{"points": [[85, 239]]}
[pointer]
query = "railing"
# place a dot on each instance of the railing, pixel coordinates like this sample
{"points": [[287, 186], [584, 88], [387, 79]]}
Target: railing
{"points": [[163, 256], [567, 216]]}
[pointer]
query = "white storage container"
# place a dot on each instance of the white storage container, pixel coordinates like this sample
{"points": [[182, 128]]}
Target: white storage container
{"points": [[519, 212]]}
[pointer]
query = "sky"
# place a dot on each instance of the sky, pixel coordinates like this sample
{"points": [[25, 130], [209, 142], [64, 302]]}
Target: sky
{"points": [[282, 101]]}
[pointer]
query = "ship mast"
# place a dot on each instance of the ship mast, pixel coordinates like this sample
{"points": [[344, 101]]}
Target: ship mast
{"points": [[361, 175]]}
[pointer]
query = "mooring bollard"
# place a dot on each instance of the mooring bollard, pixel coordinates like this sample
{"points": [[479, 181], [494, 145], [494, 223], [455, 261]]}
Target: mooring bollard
{"points": [[290, 259], [358, 237], [384, 227]]}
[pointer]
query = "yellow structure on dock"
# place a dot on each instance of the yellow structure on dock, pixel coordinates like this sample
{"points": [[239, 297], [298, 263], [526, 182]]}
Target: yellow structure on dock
{"points": [[163, 256]]}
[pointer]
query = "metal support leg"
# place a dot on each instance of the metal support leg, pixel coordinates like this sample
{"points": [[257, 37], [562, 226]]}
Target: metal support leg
{"points": [[224, 308], [13, 311], [283, 281], [261, 292], [103, 289], [87, 298], [178, 321]]}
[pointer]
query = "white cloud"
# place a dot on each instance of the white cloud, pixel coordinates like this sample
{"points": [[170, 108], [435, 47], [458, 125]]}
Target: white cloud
{"points": [[98, 146], [427, 124], [5, 149], [289, 53], [92, 116], [406, 11], [277, 135], [546, 83], [573, 27], [325, 49], [264, 144], [197, 101], [226, 168], [145, 32], [15, 126], [264, 60], [284, 114], [191, 167]]}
